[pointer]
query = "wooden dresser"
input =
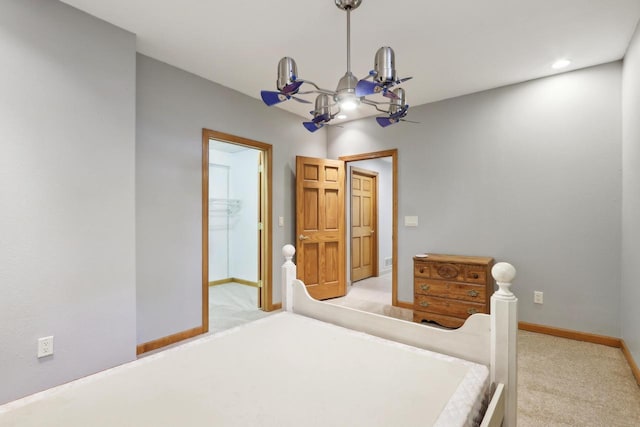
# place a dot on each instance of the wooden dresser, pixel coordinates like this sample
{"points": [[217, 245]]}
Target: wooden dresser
{"points": [[450, 288]]}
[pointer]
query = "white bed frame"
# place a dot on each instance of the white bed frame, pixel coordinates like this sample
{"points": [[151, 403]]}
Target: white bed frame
{"points": [[486, 339]]}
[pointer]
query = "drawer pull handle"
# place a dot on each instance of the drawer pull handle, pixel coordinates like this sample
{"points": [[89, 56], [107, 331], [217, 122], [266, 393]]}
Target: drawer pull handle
{"points": [[474, 275], [421, 269], [425, 287], [473, 293], [424, 304], [472, 311]]}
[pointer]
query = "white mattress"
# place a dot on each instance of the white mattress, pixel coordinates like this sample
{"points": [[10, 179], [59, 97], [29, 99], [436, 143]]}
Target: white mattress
{"points": [[283, 370]]}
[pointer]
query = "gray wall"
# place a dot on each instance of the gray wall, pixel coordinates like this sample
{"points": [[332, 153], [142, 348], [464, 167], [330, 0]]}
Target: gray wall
{"points": [[67, 257], [631, 197], [529, 174], [172, 108]]}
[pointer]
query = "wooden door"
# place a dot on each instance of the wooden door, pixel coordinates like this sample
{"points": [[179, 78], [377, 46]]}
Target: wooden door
{"points": [[363, 224], [320, 226]]}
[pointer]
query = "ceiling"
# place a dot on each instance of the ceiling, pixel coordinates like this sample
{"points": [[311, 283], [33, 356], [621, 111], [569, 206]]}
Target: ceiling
{"points": [[450, 47]]}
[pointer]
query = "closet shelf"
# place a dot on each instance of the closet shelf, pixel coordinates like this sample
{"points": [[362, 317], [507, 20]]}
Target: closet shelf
{"points": [[224, 207]]}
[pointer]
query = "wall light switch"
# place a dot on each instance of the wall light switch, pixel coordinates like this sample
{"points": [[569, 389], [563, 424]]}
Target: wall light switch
{"points": [[281, 221], [410, 221]]}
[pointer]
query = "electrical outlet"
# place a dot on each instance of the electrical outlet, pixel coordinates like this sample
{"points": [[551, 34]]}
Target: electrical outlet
{"points": [[538, 297], [45, 346]]}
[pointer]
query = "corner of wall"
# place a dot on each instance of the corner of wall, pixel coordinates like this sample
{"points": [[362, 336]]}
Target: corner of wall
{"points": [[630, 286]]}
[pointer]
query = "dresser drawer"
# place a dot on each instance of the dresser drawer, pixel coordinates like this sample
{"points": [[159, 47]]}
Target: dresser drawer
{"points": [[447, 271], [475, 274], [455, 308], [446, 289], [421, 269]]}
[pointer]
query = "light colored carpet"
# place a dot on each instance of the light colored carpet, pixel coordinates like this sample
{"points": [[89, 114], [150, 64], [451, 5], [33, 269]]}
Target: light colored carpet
{"points": [[564, 382], [231, 305], [561, 382], [374, 296]]}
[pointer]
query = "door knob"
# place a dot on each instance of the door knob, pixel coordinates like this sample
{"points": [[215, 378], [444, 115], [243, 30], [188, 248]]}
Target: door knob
{"points": [[303, 237]]}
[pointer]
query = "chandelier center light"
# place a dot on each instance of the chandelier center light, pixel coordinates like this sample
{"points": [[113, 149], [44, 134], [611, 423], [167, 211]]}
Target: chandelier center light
{"points": [[350, 92]]}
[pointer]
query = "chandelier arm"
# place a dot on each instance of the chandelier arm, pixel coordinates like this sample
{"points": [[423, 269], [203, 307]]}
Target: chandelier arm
{"points": [[376, 104], [368, 101], [319, 89], [326, 91], [381, 110], [373, 103], [323, 91]]}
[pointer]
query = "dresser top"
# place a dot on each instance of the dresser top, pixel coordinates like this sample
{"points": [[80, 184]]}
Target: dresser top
{"points": [[455, 258]]}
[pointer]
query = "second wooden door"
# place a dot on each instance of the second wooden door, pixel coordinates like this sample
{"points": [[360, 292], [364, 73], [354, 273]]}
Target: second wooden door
{"points": [[363, 224]]}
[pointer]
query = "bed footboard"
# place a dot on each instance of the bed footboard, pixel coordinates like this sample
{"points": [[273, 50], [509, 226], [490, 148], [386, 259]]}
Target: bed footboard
{"points": [[487, 339], [469, 342]]}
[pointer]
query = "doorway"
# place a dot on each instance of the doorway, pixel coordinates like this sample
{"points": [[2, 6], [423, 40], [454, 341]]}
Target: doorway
{"points": [[385, 165], [236, 229]]}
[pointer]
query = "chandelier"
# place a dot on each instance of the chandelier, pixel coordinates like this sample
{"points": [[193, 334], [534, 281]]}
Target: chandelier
{"points": [[350, 92]]}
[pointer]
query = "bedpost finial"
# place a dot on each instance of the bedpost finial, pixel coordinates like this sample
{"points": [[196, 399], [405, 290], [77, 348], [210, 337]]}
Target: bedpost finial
{"points": [[288, 251], [504, 273]]}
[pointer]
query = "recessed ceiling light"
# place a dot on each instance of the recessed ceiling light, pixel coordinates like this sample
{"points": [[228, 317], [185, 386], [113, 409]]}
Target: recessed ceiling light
{"points": [[561, 63], [341, 116]]}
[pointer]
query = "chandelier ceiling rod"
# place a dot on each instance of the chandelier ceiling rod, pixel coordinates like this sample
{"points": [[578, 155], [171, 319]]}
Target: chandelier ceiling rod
{"points": [[349, 40]]}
